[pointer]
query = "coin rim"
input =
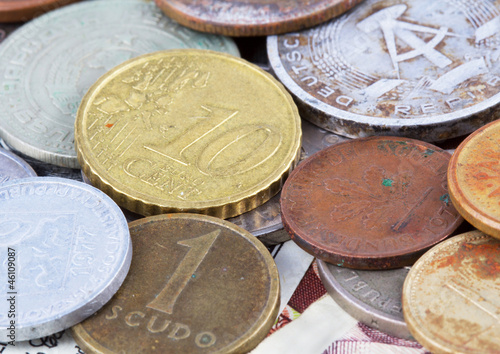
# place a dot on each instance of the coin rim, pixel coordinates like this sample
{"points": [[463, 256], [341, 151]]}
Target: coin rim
{"points": [[76, 314], [358, 309], [19, 161], [352, 260], [223, 207], [18, 141], [23, 10], [259, 329], [395, 126], [477, 217], [262, 28], [433, 344]]}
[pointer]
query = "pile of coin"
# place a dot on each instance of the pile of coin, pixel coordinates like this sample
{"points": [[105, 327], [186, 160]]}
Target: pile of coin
{"points": [[339, 146]]}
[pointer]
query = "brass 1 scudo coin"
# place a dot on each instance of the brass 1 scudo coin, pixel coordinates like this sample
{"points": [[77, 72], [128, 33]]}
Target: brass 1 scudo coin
{"points": [[188, 131], [24, 10], [373, 203], [451, 296], [196, 284], [474, 179], [252, 17]]}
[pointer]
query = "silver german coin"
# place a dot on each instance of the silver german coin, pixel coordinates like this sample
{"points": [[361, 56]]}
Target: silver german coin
{"points": [[422, 69], [13, 167], [65, 250], [47, 65], [373, 297]]}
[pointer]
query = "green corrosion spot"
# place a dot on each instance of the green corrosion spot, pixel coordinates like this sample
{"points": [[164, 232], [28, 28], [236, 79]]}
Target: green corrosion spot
{"points": [[402, 142], [445, 198], [341, 264], [428, 152], [387, 182]]}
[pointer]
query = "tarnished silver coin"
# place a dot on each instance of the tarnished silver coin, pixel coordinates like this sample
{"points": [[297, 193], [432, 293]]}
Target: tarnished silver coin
{"points": [[373, 297], [45, 169], [13, 167], [47, 66], [265, 221], [65, 250], [422, 69]]}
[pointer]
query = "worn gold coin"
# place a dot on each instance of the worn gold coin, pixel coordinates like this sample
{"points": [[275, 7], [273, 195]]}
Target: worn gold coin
{"points": [[451, 296], [196, 284], [474, 179], [188, 130]]}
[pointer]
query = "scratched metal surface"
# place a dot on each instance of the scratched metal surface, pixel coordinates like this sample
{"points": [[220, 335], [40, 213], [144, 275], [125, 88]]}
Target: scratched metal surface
{"points": [[72, 251], [451, 296], [428, 70], [373, 297], [373, 203], [253, 17]]}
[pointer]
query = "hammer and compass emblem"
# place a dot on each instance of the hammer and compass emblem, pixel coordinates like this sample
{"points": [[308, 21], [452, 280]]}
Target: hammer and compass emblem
{"points": [[387, 21]]}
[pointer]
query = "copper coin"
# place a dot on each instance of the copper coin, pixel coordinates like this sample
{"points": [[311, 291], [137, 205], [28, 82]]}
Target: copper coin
{"points": [[253, 17], [196, 284], [24, 10], [474, 179], [373, 203], [451, 296]]}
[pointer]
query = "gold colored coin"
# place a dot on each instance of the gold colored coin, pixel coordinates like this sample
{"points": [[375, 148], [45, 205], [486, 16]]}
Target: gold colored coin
{"points": [[451, 296], [188, 131], [474, 179], [196, 284]]}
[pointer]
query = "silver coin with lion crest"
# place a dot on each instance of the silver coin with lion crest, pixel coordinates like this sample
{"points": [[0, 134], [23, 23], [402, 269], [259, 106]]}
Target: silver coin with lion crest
{"points": [[47, 65], [66, 250], [423, 69]]}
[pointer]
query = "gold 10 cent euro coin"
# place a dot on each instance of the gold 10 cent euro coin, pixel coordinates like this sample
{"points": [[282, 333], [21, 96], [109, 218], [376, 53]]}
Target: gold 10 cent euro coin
{"points": [[188, 130]]}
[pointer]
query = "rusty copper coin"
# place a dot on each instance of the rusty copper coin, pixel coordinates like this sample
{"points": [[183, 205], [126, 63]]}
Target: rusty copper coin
{"points": [[196, 284], [373, 203], [451, 296], [474, 179], [253, 17], [24, 10]]}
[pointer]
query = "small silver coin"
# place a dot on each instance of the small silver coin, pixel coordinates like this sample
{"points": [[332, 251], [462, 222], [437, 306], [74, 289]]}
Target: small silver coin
{"points": [[373, 297], [265, 221], [65, 250], [13, 167], [46, 169], [422, 69], [47, 66]]}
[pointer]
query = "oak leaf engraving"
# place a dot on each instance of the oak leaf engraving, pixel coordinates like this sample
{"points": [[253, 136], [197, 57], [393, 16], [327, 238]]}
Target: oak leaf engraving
{"points": [[374, 199]]}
